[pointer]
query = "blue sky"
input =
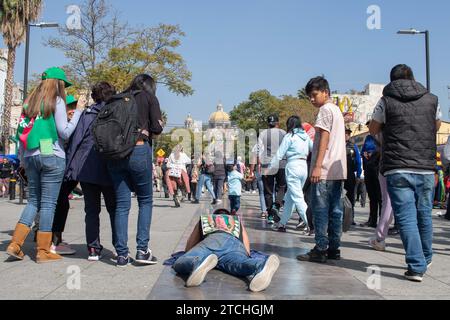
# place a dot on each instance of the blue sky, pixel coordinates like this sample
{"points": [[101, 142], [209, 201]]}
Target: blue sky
{"points": [[236, 47]]}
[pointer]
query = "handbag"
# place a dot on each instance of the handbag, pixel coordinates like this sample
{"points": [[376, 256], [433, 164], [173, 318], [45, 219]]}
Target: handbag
{"points": [[348, 215], [175, 172]]}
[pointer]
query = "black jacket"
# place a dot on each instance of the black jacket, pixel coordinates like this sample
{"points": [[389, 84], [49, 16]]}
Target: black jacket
{"points": [[409, 134]]}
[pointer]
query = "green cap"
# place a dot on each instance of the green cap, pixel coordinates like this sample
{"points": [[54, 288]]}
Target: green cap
{"points": [[70, 99], [56, 73]]}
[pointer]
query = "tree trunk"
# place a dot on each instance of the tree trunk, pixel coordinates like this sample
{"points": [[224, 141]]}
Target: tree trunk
{"points": [[9, 84]]}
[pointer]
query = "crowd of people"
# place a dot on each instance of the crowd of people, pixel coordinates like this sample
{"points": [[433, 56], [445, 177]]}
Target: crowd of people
{"points": [[309, 170]]}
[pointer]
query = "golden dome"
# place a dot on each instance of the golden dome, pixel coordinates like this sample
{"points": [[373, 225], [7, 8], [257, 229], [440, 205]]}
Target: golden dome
{"points": [[219, 115]]}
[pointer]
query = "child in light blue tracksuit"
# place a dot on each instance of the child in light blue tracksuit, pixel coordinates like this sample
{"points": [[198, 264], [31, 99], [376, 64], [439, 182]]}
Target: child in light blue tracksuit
{"points": [[296, 147], [234, 187]]}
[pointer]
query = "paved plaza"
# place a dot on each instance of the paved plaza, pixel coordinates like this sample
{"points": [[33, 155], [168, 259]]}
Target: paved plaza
{"points": [[345, 279]]}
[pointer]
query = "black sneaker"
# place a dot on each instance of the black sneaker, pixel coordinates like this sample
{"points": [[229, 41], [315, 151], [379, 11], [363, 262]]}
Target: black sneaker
{"points": [[275, 214], [393, 231], [214, 202], [279, 228], [195, 201], [123, 262], [146, 257], [414, 276], [334, 254], [94, 255], [315, 255]]}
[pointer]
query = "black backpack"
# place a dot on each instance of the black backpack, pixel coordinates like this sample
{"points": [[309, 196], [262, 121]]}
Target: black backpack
{"points": [[116, 129]]}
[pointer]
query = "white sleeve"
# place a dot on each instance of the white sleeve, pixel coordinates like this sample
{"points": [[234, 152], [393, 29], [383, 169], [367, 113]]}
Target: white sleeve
{"points": [[379, 112], [439, 113]]}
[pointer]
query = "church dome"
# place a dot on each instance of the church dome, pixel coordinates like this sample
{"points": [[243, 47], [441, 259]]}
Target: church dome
{"points": [[219, 115]]}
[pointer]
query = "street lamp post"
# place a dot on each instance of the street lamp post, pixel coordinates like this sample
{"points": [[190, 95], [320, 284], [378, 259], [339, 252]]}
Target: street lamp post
{"points": [[427, 48], [27, 51]]}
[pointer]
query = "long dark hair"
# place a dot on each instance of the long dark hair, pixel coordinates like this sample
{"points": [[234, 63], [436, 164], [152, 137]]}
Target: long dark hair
{"points": [[293, 123], [102, 92], [143, 82]]}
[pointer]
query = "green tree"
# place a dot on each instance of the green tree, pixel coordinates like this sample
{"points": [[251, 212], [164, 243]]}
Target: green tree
{"points": [[14, 18], [253, 113], [293, 106], [152, 52], [109, 50], [301, 94]]}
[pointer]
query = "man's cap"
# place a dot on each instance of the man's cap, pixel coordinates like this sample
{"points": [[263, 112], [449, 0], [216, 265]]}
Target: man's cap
{"points": [[272, 119], [70, 99], [56, 73]]}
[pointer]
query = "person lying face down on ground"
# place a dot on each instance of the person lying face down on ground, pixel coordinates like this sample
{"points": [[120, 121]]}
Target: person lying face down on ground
{"points": [[221, 241]]}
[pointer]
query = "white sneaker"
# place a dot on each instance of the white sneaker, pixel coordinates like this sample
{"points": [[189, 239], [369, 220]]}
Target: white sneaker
{"points": [[301, 225], [218, 201], [377, 245], [262, 280], [199, 274]]}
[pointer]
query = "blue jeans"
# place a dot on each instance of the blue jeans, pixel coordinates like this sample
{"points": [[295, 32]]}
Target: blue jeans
{"points": [[133, 173], [233, 259], [45, 175], [205, 179], [260, 184], [412, 202], [328, 209], [235, 202]]}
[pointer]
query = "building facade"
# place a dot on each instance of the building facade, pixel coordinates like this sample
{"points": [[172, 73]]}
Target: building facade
{"points": [[360, 105]]}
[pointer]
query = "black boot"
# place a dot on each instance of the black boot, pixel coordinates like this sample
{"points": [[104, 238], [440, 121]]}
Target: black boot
{"points": [[334, 254], [315, 255]]}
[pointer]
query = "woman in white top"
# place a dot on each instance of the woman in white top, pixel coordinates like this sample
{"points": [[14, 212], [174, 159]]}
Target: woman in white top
{"points": [[176, 174]]}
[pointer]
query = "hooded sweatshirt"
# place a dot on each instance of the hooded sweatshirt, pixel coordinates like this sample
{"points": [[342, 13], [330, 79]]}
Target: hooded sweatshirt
{"points": [[295, 146], [409, 133]]}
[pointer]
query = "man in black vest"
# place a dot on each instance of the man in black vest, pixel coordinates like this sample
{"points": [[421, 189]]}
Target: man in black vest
{"points": [[409, 118]]}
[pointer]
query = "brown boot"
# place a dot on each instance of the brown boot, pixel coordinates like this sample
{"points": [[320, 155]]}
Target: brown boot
{"points": [[19, 236], [44, 241]]}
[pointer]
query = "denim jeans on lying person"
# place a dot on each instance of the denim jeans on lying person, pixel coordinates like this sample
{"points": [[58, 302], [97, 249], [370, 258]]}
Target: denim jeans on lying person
{"points": [[133, 174], [327, 209], [412, 201], [45, 175], [233, 258]]}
